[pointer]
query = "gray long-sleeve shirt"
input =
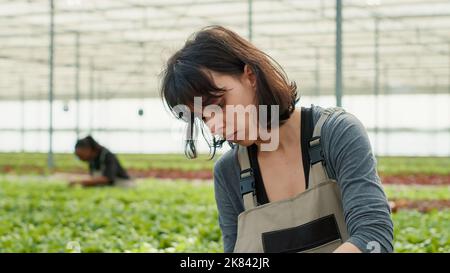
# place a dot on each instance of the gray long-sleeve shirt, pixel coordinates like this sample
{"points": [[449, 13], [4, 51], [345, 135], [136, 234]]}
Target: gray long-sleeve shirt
{"points": [[349, 160]]}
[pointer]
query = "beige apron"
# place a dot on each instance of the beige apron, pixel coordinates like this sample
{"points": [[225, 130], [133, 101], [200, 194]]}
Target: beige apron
{"points": [[120, 182], [312, 221]]}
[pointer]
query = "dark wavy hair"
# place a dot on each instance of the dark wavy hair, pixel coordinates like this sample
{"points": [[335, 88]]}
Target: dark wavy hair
{"points": [[218, 49], [88, 142]]}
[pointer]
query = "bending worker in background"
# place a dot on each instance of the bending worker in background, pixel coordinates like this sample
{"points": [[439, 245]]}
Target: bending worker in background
{"points": [[104, 167]]}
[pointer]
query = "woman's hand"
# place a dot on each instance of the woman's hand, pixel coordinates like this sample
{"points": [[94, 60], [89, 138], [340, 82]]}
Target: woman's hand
{"points": [[347, 248], [91, 182], [74, 183]]}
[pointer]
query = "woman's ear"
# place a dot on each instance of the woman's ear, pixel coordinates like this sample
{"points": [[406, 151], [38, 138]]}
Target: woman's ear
{"points": [[250, 75]]}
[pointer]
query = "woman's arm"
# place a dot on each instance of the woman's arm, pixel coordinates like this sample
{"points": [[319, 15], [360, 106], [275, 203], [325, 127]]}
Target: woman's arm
{"points": [[366, 210], [94, 181], [227, 212]]}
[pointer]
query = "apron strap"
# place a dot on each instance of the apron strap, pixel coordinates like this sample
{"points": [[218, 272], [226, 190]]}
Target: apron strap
{"points": [[102, 159], [318, 172], [247, 179]]}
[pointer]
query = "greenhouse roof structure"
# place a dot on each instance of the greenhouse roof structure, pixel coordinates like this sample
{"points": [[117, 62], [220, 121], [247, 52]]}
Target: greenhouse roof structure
{"points": [[117, 48]]}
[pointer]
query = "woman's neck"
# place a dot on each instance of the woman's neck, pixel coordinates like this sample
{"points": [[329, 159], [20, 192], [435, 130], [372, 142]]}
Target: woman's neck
{"points": [[289, 133]]}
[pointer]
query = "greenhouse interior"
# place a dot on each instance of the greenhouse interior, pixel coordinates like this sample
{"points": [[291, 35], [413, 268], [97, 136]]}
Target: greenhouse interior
{"points": [[79, 76]]}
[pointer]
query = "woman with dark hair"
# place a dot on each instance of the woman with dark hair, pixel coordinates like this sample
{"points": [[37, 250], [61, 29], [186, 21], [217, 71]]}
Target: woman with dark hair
{"points": [[317, 191], [104, 167]]}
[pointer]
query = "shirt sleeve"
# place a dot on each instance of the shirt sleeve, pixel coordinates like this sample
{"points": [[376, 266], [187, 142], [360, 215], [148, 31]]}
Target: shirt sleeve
{"points": [[366, 209], [227, 213]]}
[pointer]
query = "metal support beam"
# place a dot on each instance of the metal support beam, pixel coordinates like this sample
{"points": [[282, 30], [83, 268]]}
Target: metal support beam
{"points": [[250, 20], [448, 83], [338, 80], [22, 114], [317, 72], [77, 83], [376, 80], [50, 162], [91, 95], [387, 106]]}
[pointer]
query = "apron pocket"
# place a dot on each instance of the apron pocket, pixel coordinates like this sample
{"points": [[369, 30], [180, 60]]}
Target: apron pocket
{"points": [[307, 236]]}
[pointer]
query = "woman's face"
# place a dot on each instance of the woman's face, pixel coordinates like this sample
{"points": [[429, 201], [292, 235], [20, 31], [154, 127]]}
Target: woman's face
{"points": [[84, 154], [234, 123]]}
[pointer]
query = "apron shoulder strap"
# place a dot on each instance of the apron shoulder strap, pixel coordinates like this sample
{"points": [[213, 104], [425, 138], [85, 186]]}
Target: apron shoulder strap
{"points": [[318, 172], [246, 178], [102, 159]]}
